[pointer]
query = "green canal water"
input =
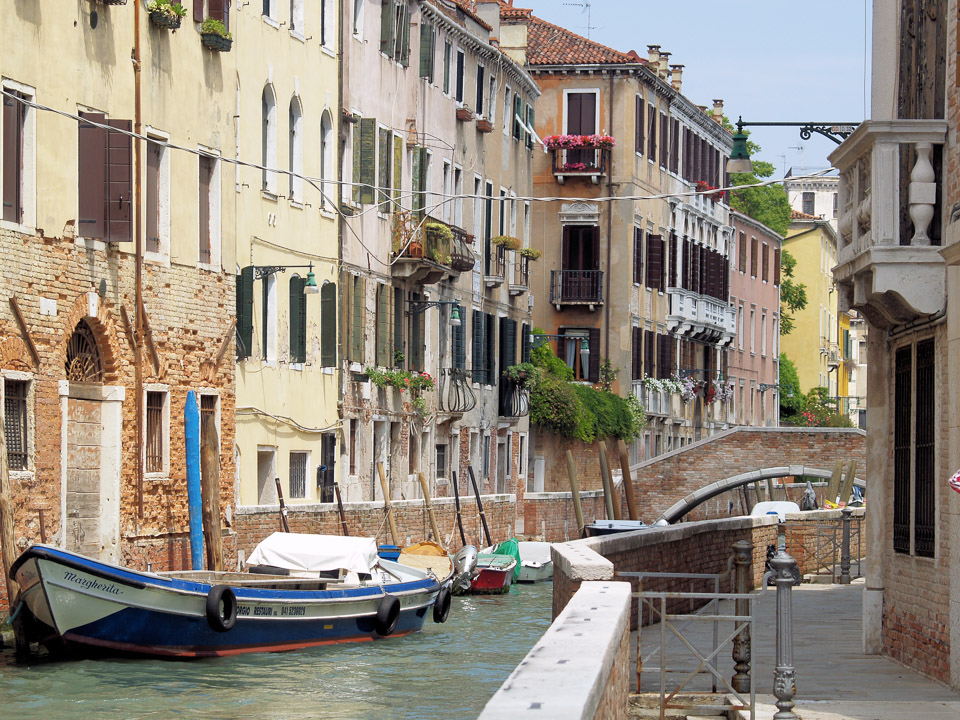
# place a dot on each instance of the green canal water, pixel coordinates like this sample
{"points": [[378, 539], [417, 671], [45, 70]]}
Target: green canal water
{"points": [[446, 671]]}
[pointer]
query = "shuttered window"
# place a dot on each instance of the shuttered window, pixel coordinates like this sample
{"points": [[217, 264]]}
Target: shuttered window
{"points": [[328, 324], [417, 337], [245, 313], [776, 266], [490, 349], [665, 356], [426, 51], [397, 171], [754, 257], [298, 474], [903, 411], [459, 339], [481, 87], [636, 354], [654, 262], [925, 511], [15, 423], [359, 315], [398, 306], [364, 159], [447, 57], [460, 68], [673, 260], [385, 176], [664, 140], [675, 146], [638, 126], [517, 108], [530, 121], [13, 128], [766, 263], [524, 343], [478, 355], [105, 179], [638, 255], [649, 367], [395, 31], [508, 343], [384, 338], [298, 321], [152, 218], [207, 165], [421, 164], [652, 133], [593, 341], [743, 253]]}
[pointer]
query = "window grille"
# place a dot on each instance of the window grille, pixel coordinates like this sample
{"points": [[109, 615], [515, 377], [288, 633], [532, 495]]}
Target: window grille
{"points": [[15, 422], [298, 474], [154, 458]]}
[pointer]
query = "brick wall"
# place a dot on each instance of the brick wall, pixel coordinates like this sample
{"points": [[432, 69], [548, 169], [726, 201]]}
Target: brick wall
{"points": [[552, 517], [586, 458], [801, 534]]}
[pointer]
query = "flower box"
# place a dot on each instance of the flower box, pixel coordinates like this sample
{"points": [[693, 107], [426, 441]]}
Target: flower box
{"points": [[464, 114], [216, 42], [168, 21], [567, 142], [484, 126], [113, 2]]}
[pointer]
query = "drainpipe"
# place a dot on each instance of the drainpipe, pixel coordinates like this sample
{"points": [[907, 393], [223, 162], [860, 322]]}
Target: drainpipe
{"points": [[610, 208], [138, 219]]}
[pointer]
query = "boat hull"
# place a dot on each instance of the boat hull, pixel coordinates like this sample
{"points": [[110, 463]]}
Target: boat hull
{"points": [[531, 572], [494, 575], [85, 606]]}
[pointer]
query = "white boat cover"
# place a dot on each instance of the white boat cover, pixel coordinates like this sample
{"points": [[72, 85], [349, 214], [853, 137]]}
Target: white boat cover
{"points": [[534, 552], [316, 553]]}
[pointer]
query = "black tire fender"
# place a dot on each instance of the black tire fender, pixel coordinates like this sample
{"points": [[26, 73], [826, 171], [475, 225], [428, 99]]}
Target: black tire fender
{"points": [[221, 608], [388, 614], [441, 605]]}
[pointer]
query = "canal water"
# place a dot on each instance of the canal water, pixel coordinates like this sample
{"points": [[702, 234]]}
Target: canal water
{"points": [[446, 671]]}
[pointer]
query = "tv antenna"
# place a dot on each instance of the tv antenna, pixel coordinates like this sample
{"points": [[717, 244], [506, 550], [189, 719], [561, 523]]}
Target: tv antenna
{"points": [[586, 6]]}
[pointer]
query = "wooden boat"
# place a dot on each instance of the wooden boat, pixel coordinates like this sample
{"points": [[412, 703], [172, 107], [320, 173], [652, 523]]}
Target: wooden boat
{"points": [[494, 574], [535, 562], [302, 591]]}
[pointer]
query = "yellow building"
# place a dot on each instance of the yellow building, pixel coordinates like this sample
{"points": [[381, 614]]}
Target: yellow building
{"points": [[287, 250], [813, 344]]}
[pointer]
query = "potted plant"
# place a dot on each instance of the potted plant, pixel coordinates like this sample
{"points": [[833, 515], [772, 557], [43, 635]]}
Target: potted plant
{"points": [[506, 242], [214, 35], [523, 373], [484, 125], [464, 114], [114, 2], [166, 14], [530, 253]]}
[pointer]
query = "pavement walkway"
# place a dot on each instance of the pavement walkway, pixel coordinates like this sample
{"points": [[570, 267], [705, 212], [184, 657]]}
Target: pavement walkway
{"points": [[835, 680]]}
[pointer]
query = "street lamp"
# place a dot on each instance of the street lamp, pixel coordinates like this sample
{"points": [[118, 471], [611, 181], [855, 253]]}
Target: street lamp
{"points": [[739, 161], [769, 386], [309, 287], [416, 307]]}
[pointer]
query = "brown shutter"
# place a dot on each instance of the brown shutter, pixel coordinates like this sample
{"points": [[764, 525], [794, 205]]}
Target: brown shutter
{"points": [[217, 9], [593, 341], [638, 130], [743, 253], [664, 140], [119, 194], [198, 11], [205, 170], [673, 260], [753, 257], [654, 260], [776, 266], [664, 260], [648, 353], [637, 354], [92, 143], [12, 159], [652, 134], [766, 263], [637, 255]]}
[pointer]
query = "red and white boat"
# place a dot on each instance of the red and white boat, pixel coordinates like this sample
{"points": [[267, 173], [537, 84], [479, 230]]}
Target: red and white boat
{"points": [[494, 574]]}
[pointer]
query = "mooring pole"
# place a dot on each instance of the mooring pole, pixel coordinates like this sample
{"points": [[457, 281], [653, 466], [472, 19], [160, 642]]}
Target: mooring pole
{"points": [[456, 499], [784, 676], [191, 438], [845, 547], [575, 492]]}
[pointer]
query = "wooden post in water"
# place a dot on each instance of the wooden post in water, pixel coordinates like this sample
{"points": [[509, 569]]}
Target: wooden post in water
{"points": [[283, 508], [627, 479], [575, 491], [833, 487], [387, 507], [476, 490], [210, 492], [612, 512], [456, 499], [426, 499], [769, 488], [343, 515], [847, 487], [8, 545]]}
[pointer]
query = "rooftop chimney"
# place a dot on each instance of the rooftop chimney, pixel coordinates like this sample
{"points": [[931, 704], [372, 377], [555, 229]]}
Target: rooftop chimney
{"points": [[718, 110], [662, 71], [489, 12], [653, 56], [676, 77]]}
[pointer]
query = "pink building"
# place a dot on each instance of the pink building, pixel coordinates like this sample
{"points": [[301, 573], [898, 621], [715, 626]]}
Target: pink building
{"points": [[753, 356]]}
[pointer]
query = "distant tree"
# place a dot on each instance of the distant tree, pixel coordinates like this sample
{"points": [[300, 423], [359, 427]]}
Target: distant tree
{"points": [[792, 401], [793, 295]]}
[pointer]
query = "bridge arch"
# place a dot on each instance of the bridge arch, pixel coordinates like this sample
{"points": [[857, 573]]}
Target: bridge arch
{"points": [[707, 492]]}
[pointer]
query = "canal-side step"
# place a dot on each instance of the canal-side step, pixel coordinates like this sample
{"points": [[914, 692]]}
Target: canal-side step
{"points": [[647, 705]]}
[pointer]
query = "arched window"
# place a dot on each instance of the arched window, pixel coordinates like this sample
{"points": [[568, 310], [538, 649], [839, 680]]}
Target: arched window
{"points": [[83, 356], [296, 150], [326, 159], [269, 138]]}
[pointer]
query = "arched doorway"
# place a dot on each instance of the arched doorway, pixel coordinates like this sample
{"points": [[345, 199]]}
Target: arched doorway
{"points": [[90, 449]]}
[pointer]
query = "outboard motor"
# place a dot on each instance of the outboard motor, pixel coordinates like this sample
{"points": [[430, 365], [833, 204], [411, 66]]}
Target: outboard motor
{"points": [[464, 565]]}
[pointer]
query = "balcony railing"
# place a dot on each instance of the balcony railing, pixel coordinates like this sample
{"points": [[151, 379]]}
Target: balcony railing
{"points": [[456, 394], [428, 251], [520, 282], [576, 287], [701, 317], [890, 218], [514, 399], [498, 267], [590, 163]]}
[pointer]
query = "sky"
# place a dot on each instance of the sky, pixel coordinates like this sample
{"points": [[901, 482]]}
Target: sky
{"points": [[769, 60]]}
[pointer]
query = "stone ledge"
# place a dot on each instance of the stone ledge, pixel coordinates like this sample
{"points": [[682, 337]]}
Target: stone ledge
{"points": [[625, 542], [811, 515], [577, 561], [373, 505], [567, 672]]}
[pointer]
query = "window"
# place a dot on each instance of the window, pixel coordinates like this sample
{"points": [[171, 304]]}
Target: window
{"points": [[157, 216], [521, 454], [481, 86], [328, 324], [763, 333], [208, 230], [506, 111], [447, 55], [652, 133], [364, 160], [298, 321], [492, 100], [299, 461], [664, 140], [357, 16], [358, 314], [754, 257], [353, 447], [743, 253], [269, 318], [105, 178], [296, 18], [808, 203], [656, 263], [157, 431], [638, 255], [459, 85], [385, 177], [268, 139], [458, 193], [753, 331], [208, 413], [15, 393], [395, 31], [766, 263], [328, 34], [442, 455], [740, 327], [447, 190], [836, 204], [638, 126], [477, 208], [269, 9], [18, 157], [576, 353], [266, 472], [327, 188], [296, 150], [485, 460], [427, 51]]}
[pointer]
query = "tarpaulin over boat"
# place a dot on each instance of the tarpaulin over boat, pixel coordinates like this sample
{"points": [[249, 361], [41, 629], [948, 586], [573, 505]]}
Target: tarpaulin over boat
{"points": [[316, 553]]}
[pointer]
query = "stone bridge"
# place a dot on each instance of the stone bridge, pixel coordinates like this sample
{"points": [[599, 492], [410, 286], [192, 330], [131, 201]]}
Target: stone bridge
{"points": [[670, 484]]}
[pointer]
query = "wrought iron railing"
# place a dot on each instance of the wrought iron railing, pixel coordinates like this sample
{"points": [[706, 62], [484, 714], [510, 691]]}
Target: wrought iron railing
{"points": [[521, 272], [498, 262], [456, 394], [576, 287], [586, 162], [514, 399]]}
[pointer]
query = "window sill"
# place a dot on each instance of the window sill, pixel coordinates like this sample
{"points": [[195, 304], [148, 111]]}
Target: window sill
{"points": [[328, 51], [296, 35], [329, 214], [209, 267], [328, 370], [268, 195], [90, 243], [18, 227], [296, 204], [298, 366], [158, 258], [22, 476], [270, 21], [157, 476]]}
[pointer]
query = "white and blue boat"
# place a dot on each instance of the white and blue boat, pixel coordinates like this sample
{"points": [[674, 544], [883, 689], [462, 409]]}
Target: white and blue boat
{"points": [[301, 591]]}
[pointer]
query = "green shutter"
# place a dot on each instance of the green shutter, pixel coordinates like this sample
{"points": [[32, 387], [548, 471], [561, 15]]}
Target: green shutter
{"points": [[517, 107], [359, 319], [298, 320], [383, 326], [368, 149], [385, 149], [397, 324], [387, 20], [357, 159], [427, 51], [459, 339], [328, 325], [530, 125], [510, 343], [416, 339], [490, 346], [245, 312], [524, 343], [447, 53], [478, 356], [397, 170], [404, 35]]}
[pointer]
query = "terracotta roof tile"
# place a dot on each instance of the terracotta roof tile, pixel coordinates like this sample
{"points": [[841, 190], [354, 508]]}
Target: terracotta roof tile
{"points": [[549, 44], [466, 6], [797, 215]]}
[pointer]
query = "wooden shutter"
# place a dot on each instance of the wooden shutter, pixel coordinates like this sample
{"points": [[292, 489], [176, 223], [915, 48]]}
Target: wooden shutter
{"points": [[328, 325], [652, 132], [152, 238], [416, 200], [382, 350], [198, 11], [593, 342], [648, 353], [357, 331], [388, 19], [368, 159], [404, 34], [503, 332], [664, 140], [460, 61], [298, 320], [766, 263], [517, 107], [477, 354], [743, 253], [417, 340], [490, 347], [12, 160], [673, 260], [398, 324], [397, 170], [119, 191], [636, 354], [530, 121], [357, 157], [426, 51], [776, 266], [638, 126], [346, 314], [480, 89], [510, 344], [637, 255], [695, 268], [685, 280], [245, 312], [459, 339], [753, 257], [385, 177], [92, 143], [524, 343], [654, 261], [217, 9]]}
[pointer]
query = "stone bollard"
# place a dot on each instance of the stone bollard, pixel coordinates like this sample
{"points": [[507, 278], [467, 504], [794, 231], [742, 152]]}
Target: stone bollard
{"points": [[784, 676], [743, 570], [845, 547]]}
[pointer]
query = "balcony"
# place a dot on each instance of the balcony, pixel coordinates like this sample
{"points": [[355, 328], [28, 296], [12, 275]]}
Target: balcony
{"points": [[576, 287], [589, 163], [833, 355], [429, 251], [514, 399], [700, 317], [498, 267], [520, 282], [889, 265], [455, 393]]}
